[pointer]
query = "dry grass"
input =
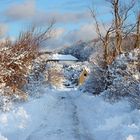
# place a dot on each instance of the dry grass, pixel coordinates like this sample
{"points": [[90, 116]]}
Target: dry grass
{"points": [[16, 57]]}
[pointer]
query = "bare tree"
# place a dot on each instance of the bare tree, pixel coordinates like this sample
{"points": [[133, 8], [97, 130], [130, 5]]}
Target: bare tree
{"points": [[104, 38], [119, 28], [120, 13]]}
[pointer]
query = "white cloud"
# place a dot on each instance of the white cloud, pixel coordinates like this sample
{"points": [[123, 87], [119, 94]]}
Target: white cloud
{"points": [[3, 29], [42, 17], [63, 37], [21, 11], [29, 11], [57, 40], [85, 32], [59, 32]]}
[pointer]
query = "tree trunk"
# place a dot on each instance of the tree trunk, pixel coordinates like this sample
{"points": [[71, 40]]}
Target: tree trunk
{"points": [[118, 34], [105, 45], [137, 43]]}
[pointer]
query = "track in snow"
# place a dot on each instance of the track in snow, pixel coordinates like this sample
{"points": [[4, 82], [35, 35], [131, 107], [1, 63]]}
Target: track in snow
{"points": [[61, 121]]}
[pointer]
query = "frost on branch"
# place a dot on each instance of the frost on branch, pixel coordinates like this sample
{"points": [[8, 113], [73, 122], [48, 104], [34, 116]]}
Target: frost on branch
{"points": [[124, 76], [16, 60]]}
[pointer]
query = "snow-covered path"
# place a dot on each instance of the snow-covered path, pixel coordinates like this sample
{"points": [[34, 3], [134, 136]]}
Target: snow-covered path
{"points": [[61, 120], [53, 116], [70, 115]]}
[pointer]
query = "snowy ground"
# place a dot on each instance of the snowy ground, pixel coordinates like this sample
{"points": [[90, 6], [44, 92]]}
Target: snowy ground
{"points": [[70, 115]]}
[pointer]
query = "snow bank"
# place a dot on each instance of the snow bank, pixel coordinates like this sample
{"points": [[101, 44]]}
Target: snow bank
{"points": [[107, 121], [24, 118], [124, 78]]}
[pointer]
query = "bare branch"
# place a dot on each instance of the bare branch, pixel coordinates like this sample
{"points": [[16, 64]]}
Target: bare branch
{"points": [[93, 14]]}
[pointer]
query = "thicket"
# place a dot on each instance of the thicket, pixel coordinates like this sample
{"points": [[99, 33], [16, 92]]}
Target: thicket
{"points": [[16, 60]]}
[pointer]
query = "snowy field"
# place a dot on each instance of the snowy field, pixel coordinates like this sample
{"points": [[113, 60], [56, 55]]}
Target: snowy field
{"points": [[70, 115]]}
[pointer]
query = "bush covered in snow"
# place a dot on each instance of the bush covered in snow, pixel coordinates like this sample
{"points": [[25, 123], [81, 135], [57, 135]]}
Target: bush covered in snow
{"points": [[16, 60], [96, 81], [54, 75], [124, 78], [72, 72], [121, 79]]}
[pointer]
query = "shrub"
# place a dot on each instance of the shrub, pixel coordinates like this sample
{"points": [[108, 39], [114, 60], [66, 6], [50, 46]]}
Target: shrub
{"points": [[124, 75], [17, 57]]}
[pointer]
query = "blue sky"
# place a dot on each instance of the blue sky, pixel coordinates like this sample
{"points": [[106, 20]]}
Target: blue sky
{"points": [[73, 21], [15, 17]]}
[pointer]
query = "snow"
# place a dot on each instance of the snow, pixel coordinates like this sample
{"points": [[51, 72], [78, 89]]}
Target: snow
{"points": [[2, 137], [69, 114], [3, 119], [62, 57], [130, 137], [110, 122]]}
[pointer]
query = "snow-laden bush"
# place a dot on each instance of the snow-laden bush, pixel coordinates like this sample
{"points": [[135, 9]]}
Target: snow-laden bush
{"points": [[54, 75], [96, 82], [16, 60], [72, 72], [35, 78], [124, 78]]}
